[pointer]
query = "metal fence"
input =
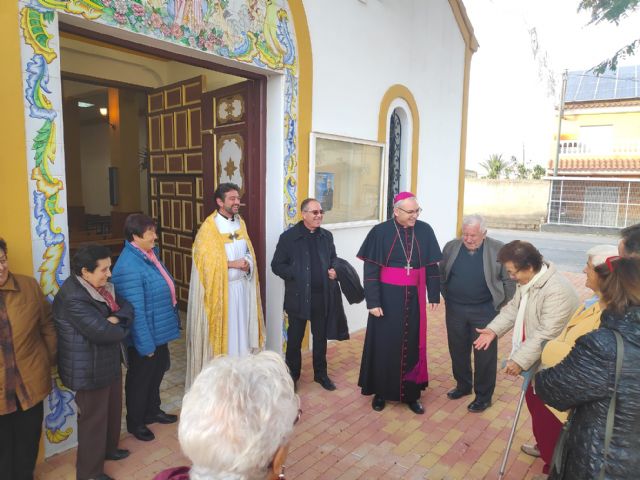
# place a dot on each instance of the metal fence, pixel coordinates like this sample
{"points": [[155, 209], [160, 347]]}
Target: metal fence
{"points": [[594, 202]]}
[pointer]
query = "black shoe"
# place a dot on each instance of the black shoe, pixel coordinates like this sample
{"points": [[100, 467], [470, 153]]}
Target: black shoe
{"points": [[142, 433], [456, 393], [161, 417], [416, 407], [119, 454], [326, 382], [478, 406], [378, 403]]}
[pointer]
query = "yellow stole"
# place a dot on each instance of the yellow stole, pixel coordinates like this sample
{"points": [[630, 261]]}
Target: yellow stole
{"points": [[211, 260]]}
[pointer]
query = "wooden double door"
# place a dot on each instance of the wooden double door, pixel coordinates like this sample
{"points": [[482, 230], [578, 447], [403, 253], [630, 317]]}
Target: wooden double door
{"points": [[198, 140]]}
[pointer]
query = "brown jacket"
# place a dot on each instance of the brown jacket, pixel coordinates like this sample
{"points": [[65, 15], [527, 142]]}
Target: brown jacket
{"points": [[34, 338]]}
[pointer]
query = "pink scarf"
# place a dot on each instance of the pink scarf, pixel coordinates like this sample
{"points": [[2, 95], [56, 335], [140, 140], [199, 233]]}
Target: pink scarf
{"points": [[152, 256]]}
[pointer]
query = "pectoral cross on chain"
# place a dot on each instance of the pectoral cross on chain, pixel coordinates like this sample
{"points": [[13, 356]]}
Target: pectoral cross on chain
{"points": [[408, 268], [233, 236]]}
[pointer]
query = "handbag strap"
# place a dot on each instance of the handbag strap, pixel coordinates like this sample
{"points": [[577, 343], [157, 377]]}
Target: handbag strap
{"points": [[612, 404]]}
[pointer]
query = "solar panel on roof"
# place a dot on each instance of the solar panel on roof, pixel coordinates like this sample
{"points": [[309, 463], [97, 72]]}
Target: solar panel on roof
{"points": [[585, 86], [606, 87], [573, 83], [627, 82]]}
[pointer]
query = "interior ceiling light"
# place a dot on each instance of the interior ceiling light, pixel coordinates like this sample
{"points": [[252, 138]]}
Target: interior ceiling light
{"points": [[85, 104], [103, 111]]}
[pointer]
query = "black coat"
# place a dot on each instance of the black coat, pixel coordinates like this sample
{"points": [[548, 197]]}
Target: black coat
{"points": [[584, 380], [292, 262], [88, 344], [348, 283], [349, 280]]}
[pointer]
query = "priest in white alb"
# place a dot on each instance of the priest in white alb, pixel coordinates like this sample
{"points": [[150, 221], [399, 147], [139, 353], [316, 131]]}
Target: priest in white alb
{"points": [[224, 314]]}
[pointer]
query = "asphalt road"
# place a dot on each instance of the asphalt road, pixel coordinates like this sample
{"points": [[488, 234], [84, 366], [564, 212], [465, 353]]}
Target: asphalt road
{"points": [[566, 250]]}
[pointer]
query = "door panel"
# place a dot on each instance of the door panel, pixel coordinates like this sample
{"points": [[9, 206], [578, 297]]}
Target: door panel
{"points": [[175, 171], [233, 151]]}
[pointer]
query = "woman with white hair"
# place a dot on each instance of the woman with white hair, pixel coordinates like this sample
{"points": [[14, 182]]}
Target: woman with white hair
{"points": [[237, 420], [548, 423]]}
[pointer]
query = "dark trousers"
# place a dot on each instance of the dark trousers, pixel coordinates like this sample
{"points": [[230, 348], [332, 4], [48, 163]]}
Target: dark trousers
{"points": [[19, 442], [462, 321], [142, 386], [295, 334], [99, 415], [545, 425]]}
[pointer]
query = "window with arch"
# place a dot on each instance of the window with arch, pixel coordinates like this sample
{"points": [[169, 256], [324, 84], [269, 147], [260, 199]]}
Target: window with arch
{"points": [[399, 133]]}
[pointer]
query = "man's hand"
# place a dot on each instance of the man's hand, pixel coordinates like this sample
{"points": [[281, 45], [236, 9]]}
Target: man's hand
{"points": [[332, 274], [151, 354], [434, 306], [240, 264], [376, 312], [114, 320], [484, 339], [512, 368]]}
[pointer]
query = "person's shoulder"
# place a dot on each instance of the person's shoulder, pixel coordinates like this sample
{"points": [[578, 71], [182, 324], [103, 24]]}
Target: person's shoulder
{"points": [[493, 242], [129, 263], [381, 227], [70, 288], [326, 232], [454, 242], [423, 226], [601, 341], [25, 281]]}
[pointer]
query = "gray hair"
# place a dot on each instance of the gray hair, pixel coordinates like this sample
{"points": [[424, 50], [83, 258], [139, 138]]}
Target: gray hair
{"points": [[600, 253], [400, 202], [475, 219], [236, 415]]}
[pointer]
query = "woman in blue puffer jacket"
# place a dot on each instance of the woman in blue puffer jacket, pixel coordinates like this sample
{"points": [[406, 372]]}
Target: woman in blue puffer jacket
{"points": [[142, 279]]}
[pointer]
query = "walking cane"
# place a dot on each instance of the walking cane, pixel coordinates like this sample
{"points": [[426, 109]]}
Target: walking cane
{"points": [[527, 375]]}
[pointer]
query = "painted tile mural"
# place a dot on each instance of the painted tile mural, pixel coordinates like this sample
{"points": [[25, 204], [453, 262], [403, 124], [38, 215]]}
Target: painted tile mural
{"points": [[256, 32]]}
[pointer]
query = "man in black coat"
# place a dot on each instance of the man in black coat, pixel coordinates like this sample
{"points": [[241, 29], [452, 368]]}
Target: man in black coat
{"points": [[303, 259]]}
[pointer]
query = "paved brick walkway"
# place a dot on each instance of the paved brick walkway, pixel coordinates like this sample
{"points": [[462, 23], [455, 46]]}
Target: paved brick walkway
{"points": [[341, 437]]}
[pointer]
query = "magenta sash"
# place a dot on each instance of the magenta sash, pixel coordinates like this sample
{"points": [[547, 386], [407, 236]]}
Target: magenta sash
{"points": [[416, 277]]}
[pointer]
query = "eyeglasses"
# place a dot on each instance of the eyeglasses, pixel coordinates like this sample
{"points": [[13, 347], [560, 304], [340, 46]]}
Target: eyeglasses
{"points": [[411, 212], [315, 212]]}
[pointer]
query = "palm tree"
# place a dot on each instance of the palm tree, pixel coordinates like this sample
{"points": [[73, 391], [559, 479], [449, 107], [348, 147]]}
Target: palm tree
{"points": [[495, 166]]}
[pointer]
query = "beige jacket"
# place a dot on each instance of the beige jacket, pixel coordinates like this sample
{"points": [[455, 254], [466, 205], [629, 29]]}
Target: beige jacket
{"points": [[552, 301]]}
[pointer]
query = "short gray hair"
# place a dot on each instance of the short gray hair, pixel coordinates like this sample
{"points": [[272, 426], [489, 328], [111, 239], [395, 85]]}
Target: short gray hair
{"points": [[399, 202], [599, 254], [475, 219], [236, 415]]}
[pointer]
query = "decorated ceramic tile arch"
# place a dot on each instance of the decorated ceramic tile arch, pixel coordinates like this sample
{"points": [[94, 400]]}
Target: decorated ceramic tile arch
{"points": [[255, 32]]}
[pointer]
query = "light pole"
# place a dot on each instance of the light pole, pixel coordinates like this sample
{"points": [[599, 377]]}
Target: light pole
{"points": [[563, 91]]}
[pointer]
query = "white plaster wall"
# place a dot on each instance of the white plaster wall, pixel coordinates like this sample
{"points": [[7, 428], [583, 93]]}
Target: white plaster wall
{"points": [[361, 50], [274, 222]]}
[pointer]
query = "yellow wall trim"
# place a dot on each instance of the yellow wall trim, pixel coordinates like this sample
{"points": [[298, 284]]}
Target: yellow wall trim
{"points": [[15, 224], [463, 138], [400, 91], [471, 44], [305, 95], [464, 24]]}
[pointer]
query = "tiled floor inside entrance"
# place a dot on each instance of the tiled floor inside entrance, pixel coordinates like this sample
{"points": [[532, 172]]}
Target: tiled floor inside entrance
{"points": [[340, 437]]}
